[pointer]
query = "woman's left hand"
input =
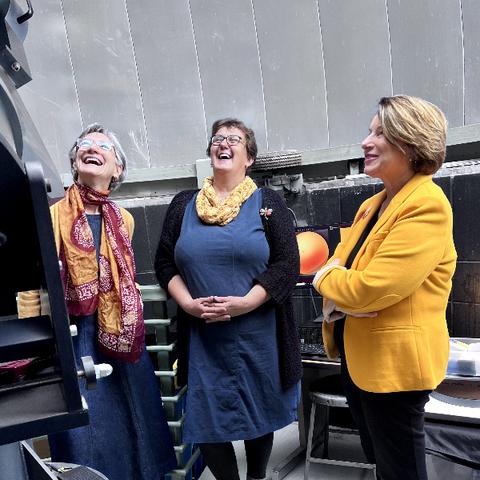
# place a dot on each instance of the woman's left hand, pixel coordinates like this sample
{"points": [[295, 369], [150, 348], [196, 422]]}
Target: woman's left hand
{"points": [[332, 264], [331, 312], [234, 306]]}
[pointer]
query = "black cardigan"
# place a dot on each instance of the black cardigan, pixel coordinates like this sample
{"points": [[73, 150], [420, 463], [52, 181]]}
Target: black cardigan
{"points": [[278, 279]]}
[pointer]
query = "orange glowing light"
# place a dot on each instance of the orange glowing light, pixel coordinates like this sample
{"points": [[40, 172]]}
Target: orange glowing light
{"points": [[313, 252]]}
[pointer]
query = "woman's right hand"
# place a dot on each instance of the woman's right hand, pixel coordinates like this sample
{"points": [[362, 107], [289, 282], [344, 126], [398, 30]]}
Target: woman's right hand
{"points": [[205, 305], [196, 307]]}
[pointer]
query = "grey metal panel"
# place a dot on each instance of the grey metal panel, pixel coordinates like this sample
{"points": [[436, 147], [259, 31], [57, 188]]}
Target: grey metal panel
{"points": [[357, 65], [177, 98], [471, 42], [427, 55], [229, 65], [292, 66], [105, 72], [169, 80], [50, 97]]}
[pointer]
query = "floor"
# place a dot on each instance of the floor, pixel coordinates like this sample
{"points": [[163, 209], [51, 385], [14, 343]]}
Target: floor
{"points": [[341, 446], [286, 441]]}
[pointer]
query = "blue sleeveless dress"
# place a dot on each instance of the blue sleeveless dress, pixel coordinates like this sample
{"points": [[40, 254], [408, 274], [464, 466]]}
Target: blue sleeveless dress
{"points": [[234, 387], [128, 435]]}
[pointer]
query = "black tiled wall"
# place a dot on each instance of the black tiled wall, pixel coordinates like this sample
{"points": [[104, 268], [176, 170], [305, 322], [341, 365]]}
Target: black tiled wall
{"points": [[148, 226], [323, 206], [339, 205], [351, 199], [465, 198]]}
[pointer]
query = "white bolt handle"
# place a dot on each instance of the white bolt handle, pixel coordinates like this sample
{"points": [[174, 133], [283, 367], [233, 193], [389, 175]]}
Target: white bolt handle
{"points": [[103, 370]]}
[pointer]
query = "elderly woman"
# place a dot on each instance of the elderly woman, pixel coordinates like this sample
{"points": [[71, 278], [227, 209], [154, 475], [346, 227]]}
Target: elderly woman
{"points": [[128, 436], [391, 277], [228, 257]]}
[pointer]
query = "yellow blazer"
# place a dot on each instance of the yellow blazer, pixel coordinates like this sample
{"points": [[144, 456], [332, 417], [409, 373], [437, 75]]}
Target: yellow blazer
{"points": [[28, 302], [404, 272]]}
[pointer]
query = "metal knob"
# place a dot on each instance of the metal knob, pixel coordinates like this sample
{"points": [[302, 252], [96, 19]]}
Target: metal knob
{"points": [[92, 372]]}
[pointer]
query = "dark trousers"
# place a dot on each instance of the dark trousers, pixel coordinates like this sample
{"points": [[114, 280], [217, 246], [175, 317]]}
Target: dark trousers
{"points": [[220, 457], [391, 427]]}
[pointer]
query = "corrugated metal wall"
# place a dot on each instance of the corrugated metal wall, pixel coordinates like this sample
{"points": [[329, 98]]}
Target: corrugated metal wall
{"points": [[305, 74]]}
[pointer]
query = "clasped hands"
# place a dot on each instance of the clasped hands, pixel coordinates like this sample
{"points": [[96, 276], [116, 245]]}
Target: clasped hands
{"points": [[218, 309]]}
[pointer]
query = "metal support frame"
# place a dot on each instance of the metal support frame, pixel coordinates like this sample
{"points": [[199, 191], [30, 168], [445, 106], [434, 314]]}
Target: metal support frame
{"points": [[51, 403]]}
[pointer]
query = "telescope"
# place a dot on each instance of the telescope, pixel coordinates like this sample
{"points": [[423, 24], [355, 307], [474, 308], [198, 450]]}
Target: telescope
{"points": [[45, 398]]}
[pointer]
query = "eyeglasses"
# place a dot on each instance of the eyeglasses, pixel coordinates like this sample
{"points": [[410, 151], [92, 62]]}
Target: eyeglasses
{"points": [[86, 143], [231, 139]]}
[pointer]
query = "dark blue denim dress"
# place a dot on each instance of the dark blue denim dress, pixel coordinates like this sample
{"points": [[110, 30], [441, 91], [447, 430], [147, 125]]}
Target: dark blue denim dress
{"points": [[128, 436], [234, 387]]}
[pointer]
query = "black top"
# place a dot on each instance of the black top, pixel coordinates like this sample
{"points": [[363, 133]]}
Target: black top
{"points": [[339, 326], [95, 223], [278, 280]]}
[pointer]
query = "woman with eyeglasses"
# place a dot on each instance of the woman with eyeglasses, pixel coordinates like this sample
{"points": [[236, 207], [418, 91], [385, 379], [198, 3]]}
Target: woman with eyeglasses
{"points": [[128, 436], [228, 257]]}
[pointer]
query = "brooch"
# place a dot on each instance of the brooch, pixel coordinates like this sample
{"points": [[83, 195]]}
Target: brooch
{"points": [[365, 213], [266, 212]]}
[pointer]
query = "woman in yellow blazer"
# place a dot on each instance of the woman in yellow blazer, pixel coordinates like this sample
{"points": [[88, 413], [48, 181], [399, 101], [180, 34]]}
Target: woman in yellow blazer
{"points": [[387, 287]]}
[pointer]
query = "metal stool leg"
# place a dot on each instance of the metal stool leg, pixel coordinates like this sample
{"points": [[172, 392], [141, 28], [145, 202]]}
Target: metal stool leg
{"points": [[326, 431], [327, 400], [310, 440]]}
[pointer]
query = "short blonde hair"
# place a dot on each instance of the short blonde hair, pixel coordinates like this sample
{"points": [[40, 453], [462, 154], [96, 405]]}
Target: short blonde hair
{"points": [[416, 127]]}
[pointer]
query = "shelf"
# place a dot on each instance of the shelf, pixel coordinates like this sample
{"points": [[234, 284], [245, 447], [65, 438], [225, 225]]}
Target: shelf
{"points": [[159, 322], [38, 411], [161, 348], [26, 338], [152, 293]]}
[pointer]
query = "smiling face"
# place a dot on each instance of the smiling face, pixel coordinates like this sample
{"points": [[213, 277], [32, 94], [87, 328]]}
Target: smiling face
{"points": [[96, 166], [382, 159], [230, 159]]}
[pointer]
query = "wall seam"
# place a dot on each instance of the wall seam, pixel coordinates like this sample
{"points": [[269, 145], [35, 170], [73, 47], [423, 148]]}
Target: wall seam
{"points": [[137, 76], [463, 63], [324, 73], [197, 59], [74, 78], [389, 46], [261, 72]]}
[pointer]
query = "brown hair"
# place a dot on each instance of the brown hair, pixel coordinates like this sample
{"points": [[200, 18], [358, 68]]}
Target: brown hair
{"points": [[417, 128], [250, 142]]}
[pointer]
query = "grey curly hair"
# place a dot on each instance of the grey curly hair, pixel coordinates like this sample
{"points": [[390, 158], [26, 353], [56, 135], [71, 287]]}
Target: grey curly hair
{"points": [[120, 156]]}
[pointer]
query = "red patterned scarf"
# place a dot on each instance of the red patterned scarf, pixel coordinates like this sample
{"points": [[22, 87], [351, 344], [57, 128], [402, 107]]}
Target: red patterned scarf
{"points": [[107, 286]]}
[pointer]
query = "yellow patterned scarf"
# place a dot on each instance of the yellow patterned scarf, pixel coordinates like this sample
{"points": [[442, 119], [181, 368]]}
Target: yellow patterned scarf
{"points": [[211, 210], [107, 285]]}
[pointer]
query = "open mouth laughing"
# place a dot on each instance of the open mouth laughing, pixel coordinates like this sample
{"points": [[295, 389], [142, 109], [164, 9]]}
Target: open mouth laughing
{"points": [[92, 161]]}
